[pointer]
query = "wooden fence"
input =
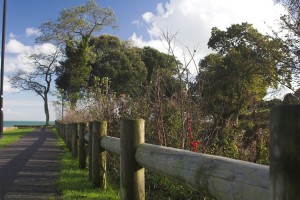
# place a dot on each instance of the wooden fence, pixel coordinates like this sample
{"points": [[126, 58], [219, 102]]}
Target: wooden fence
{"points": [[223, 178]]}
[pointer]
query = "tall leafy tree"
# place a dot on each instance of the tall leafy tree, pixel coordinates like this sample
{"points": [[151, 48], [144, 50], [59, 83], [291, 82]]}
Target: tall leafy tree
{"points": [[74, 72], [72, 30], [246, 64], [120, 62], [155, 61]]}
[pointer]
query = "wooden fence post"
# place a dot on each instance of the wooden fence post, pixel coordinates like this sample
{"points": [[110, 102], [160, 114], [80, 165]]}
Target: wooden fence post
{"points": [[95, 154], [103, 156], [132, 175], [90, 150], [65, 133], [68, 136], [56, 125], [285, 152], [98, 155], [74, 140], [81, 146], [60, 125]]}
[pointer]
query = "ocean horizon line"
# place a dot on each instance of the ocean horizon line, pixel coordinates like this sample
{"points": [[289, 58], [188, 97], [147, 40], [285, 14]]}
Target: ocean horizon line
{"points": [[12, 123]]}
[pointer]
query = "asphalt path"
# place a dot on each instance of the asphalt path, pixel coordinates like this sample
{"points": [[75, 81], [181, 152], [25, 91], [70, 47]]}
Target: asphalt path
{"points": [[29, 168]]}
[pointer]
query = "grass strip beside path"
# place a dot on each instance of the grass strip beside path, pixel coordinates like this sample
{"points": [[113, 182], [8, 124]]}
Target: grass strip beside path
{"points": [[12, 136], [73, 183]]}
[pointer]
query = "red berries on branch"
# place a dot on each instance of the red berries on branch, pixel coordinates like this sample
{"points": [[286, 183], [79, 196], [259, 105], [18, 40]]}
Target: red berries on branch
{"points": [[194, 144]]}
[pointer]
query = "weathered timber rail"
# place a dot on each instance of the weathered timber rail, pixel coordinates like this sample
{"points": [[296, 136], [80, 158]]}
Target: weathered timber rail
{"points": [[223, 178]]}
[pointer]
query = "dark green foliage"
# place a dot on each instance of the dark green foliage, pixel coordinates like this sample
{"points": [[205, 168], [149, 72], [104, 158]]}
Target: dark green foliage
{"points": [[155, 60], [105, 43], [74, 72], [239, 74], [120, 63]]}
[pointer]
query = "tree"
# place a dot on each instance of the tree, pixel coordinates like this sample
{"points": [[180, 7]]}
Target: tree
{"points": [[39, 78], [72, 30], [146, 76], [155, 61], [290, 25], [74, 72], [246, 64], [76, 23], [119, 62]]}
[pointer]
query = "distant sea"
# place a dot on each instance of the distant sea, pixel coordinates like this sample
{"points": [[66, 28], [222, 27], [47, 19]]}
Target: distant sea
{"points": [[28, 123]]}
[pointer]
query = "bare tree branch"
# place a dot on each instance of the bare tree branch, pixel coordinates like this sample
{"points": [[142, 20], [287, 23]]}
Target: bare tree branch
{"points": [[39, 79]]}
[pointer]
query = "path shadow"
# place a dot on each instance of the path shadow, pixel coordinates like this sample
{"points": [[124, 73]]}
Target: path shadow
{"points": [[29, 168]]}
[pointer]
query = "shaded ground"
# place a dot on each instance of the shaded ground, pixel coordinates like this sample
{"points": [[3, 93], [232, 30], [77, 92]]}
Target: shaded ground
{"points": [[29, 168]]}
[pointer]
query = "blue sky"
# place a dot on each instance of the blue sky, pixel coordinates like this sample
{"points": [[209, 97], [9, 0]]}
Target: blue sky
{"points": [[138, 20]]}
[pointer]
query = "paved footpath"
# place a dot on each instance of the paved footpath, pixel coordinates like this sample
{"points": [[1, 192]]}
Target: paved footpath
{"points": [[29, 168]]}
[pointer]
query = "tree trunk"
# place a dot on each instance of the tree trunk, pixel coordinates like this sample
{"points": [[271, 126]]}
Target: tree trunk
{"points": [[73, 102], [46, 109]]}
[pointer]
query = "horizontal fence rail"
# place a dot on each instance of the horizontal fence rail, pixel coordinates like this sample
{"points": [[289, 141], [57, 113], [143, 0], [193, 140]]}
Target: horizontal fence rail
{"points": [[223, 178], [111, 144]]}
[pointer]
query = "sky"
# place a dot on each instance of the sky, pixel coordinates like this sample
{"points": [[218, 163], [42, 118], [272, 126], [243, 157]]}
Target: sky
{"points": [[142, 21]]}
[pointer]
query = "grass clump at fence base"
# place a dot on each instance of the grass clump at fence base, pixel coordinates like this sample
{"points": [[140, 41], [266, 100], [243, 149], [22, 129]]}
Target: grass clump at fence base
{"points": [[73, 182], [12, 136]]}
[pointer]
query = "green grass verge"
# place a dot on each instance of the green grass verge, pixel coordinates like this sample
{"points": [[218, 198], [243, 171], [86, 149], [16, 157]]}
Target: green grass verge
{"points": [[73, 183], [12, 136]]}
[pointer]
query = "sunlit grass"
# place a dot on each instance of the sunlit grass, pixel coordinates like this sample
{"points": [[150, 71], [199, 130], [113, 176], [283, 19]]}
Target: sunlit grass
{"points": [[12, 136], [73, 183]]}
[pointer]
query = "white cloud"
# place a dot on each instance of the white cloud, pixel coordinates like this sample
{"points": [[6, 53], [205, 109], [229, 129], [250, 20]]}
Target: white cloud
{"points": [[193, 19], [148, 16], [18, 53], [7, 87], [32, 32], [45, 48], [16, 47], [17, 58], [15, 62]]}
